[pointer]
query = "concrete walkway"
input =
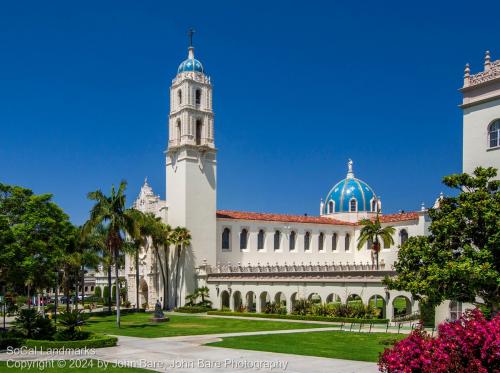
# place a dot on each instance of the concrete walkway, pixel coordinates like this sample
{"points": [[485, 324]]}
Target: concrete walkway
{"points": [[188, 354]]}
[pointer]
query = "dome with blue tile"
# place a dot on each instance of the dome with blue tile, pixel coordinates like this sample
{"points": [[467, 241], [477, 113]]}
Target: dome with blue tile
{"points": [[190, 64], [350, 195]]}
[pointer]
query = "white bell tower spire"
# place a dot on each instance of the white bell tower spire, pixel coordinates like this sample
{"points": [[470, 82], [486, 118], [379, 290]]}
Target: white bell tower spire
{"points": [[192, 169]]}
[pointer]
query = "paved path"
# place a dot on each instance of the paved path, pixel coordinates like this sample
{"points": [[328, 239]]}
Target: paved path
{"points": [[187, 354]]}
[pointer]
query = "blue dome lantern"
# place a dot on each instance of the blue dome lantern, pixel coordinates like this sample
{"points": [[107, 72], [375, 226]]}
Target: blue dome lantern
{"points": [[350, 195], [191, 63]]}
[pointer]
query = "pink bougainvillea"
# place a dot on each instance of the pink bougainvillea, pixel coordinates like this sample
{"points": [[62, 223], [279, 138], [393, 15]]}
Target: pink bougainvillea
{"points": [[470, 344]]}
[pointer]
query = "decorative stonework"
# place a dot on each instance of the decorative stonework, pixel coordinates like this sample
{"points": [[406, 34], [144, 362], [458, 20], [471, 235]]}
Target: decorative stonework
{"points": [[491, 72]]}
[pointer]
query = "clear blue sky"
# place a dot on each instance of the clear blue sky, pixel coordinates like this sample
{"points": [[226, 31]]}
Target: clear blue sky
{"points": [[299, 87]]}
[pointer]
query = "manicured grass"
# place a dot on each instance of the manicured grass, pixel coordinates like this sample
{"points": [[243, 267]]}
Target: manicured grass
{"points": [[139, 325], [339, 345], [83, 365]]}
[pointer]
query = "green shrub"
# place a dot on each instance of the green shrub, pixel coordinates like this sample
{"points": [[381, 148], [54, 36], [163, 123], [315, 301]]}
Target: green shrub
{"points": [[97, 292], [93, 341], [72, 321], [301, 307], [14, 342], [193, 309], [105, 295], [33, 325], [275, 308]]}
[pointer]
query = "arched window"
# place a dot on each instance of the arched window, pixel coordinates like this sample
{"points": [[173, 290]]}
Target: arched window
{"points": [[307, 241], [260, 240], [199, 128], [494, 134], [179, 131], [369, 244], [353, 205], [455, 310], [198, 96], [321, 241], [226, 239], [179, 96], [334, 242], [347, 242], [243, 239], [403, 236], [331, 207], [277, 240], [374, 205], [293, 236]]}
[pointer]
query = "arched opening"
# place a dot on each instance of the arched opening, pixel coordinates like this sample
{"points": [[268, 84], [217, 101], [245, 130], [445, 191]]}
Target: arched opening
{"points": [[307, 241], [293, 300], [280, 299], [224, 300], [243, 239], [314, 298], [178, 131], [277, 240], [334, 242], [455, 310], [260, 240], [403, 236], [347, 242], [374, 205], [321, 241], [401, 306], [354, 299], [226, 239], [143, 294], [198, 96], [293, 237], [251, 299], [265, 300], [494, 134], [238, 304], [378, 303], [179, 96], [353, 205], [331, 207], [199, 130], [333, 298]]}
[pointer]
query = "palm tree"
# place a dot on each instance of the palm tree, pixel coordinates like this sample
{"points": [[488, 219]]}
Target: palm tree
{"points": [[373, 232], [111, 211], [181, 239]]}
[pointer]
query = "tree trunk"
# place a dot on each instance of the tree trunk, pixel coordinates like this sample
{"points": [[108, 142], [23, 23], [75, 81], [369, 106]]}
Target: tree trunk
{"points": [[166, 281], [77, 289], [117, 292], [177, 275], [137, 278], [161, 269], [109, 288], [29, 297], [83, 287]]}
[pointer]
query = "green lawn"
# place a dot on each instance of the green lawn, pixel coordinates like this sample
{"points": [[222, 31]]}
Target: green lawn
{"points": [[83, 365], [139, 325], [340, 345]]}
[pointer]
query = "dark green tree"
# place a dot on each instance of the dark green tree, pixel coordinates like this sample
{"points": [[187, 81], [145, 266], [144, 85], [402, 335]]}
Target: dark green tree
{"points": [[460, 259]]}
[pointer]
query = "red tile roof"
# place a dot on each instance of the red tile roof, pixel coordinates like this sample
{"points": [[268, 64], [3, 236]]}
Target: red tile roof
{"points": [[243, 215]]}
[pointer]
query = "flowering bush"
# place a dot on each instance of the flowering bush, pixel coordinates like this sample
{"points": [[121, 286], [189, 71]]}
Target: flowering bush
{"points": [[470, 344]]}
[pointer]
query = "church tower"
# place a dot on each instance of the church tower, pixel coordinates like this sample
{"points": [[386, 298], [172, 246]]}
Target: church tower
{"points": [[191, 170]]}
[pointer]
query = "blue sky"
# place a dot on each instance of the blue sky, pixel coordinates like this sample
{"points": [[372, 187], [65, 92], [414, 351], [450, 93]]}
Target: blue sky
{"points": [[299, 87]]}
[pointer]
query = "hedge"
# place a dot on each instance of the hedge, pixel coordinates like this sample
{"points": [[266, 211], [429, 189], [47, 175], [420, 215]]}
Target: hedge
{"points": [[123, 311], [300, 317], [13, 342], [193, 309], [95, 341]]}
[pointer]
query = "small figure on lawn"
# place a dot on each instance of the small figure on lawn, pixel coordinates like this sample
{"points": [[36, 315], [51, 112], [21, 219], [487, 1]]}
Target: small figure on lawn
{"points": [[158, 311]]}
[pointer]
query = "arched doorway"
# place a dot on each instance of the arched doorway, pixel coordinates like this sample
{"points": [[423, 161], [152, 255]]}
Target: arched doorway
{"points": [[238, 306], [401, 306], [224, 300], [280, 299], [293, 300], [143, 294], [251, 301], [265, 300], [314, 298], [378, 302], [354, 299], [333, 298]]}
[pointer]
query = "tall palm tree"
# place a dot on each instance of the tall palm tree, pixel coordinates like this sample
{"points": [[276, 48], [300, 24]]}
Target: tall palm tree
{"points": [[181, 240], [111, 211], [373, 232]]}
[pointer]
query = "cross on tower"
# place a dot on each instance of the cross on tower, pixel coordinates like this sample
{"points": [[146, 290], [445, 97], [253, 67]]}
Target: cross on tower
{"points": [[190, 35]]}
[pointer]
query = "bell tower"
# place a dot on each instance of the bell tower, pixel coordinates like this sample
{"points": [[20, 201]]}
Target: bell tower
{"points": [[191, 170]]}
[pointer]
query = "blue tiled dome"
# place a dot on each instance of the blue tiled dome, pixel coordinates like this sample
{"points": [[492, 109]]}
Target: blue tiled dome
{"points": [[347, 189], [190, 64]]}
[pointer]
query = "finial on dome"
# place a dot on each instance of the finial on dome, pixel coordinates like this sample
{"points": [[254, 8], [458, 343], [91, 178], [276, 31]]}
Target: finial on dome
{"points": [[422, 207], [487, 61], [146, 180], [350, 173], [466, 75], [191, 32]]}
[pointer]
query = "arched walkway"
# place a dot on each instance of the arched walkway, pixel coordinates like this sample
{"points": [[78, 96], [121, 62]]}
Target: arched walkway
{"points": [[264, 300], [251, 301], [333, 298], [378, 302], [293, 299], [237, 303], [280, 298], [224, 300], [354, 299], [401, 306], [143, 294], [314, 298]]}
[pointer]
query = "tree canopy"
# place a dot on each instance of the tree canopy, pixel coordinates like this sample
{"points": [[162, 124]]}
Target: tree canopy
{"points": [[460, 258]]}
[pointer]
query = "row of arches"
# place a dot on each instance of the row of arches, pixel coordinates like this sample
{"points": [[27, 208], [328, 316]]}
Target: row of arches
{"points": [[197, 96], [353, 205], [198, 131], [251, 301]]}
